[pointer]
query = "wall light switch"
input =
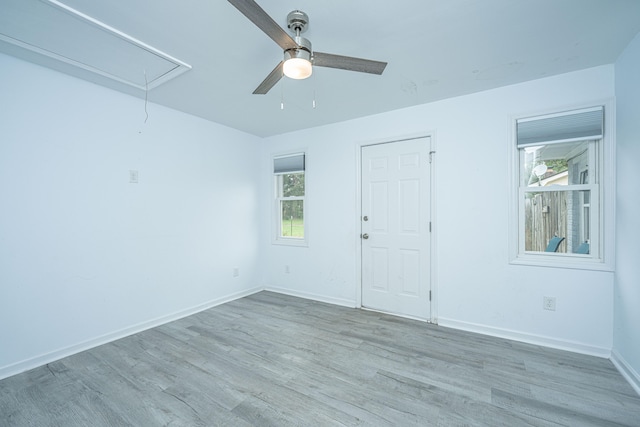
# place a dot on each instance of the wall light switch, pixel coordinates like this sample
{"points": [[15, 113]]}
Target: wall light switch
{"points": [[133, 177]]}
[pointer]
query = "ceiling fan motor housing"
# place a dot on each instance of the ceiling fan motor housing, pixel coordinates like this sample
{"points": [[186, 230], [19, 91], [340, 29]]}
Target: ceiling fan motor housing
{"points": [[302, 52], [297, 22], [297, 53], [303, 44]]}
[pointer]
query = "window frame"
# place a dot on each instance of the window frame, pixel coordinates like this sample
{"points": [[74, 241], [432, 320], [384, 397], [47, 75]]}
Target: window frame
{"points": [[601, 219], [277, 237]]}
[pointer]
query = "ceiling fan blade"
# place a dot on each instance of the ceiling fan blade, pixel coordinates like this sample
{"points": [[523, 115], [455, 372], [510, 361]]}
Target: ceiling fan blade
{"points": [[273, 78], [262, 20], [348, 63]]}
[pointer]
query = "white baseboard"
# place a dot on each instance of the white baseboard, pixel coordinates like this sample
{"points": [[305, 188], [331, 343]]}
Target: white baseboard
{"points": [[314, 297], [626, 370], [34, 362], [575, 347]]}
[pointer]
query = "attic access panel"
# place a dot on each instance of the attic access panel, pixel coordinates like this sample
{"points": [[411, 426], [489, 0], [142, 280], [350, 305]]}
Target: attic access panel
{"points": [[54, 30]]}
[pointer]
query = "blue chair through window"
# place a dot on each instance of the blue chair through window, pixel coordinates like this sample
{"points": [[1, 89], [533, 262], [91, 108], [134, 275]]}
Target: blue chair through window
{"points": [[583, 248], [554, 243]]}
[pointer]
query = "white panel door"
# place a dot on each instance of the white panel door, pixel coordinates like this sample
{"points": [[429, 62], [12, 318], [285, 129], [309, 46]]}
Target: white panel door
{"points": [[395, 240]]}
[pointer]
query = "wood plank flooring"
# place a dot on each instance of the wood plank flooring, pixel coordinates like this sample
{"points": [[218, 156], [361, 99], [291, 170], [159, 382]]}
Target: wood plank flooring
{"points": [[275, 360]]}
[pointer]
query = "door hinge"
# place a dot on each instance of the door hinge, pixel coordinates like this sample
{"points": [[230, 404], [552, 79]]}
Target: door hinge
{"points": [[429, 226], [431, 153], [429, 295]]}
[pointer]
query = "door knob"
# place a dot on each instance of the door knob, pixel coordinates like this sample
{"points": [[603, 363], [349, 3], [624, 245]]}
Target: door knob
{"points": [[365, 236]]}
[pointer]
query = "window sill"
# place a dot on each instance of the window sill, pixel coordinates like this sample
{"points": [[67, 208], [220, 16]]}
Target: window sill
{"points": [[562, 261], [290, 242]]}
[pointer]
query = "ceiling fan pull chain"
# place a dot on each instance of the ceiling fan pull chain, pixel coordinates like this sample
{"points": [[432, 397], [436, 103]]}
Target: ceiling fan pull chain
{"points": [[314, 91], [146, 96]]}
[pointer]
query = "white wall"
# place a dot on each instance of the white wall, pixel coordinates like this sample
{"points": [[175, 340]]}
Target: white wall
{"points": [[477, 288], [626, 344], [84, 255], [326, 269]]}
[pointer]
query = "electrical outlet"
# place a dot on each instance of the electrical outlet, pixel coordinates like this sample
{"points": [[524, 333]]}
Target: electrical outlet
{"points": [[286, 269], [133, 177], [236, 272], [549, 303]]}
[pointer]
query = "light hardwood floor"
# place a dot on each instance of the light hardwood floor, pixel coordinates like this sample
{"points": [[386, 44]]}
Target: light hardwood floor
{"points": [[275, 360]]}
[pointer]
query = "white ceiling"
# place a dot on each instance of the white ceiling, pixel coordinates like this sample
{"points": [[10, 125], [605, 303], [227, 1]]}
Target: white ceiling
{"points": [[435, 50]]}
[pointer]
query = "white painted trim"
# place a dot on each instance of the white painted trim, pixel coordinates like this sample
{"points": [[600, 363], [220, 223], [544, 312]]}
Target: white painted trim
{"points": [[626, 370], [313, 297], [433, 268], [358, 219], [34, 362], [180, 66], [541, 340]]}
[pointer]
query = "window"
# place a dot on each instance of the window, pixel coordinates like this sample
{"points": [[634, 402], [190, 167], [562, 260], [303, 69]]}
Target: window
{"points": [[559, 191], [289, 181]]}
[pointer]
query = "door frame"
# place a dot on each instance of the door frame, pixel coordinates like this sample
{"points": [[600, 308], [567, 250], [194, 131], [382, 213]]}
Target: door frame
{"points": [[432, 215]]}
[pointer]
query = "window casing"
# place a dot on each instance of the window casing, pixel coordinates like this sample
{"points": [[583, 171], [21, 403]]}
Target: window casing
{"points": [[289, 200], [559, 190]]}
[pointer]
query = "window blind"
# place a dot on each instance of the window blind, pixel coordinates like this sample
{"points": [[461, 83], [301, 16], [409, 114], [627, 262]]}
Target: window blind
{"points": [[568, 126], [289, 164]]}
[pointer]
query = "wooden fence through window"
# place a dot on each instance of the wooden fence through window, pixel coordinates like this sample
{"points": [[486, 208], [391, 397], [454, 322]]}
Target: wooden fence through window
{"points": [[545, 217]]}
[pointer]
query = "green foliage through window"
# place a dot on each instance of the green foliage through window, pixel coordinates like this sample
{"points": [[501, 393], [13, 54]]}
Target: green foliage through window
{"points": [[293, 185], [291, 191]]}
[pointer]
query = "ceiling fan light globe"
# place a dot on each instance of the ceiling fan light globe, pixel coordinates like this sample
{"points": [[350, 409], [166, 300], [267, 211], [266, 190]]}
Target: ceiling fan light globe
{"points": [[297, 68]]}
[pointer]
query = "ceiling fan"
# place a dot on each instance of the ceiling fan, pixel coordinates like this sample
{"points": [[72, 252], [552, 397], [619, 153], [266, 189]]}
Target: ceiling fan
{"points": [[298, 55]]}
